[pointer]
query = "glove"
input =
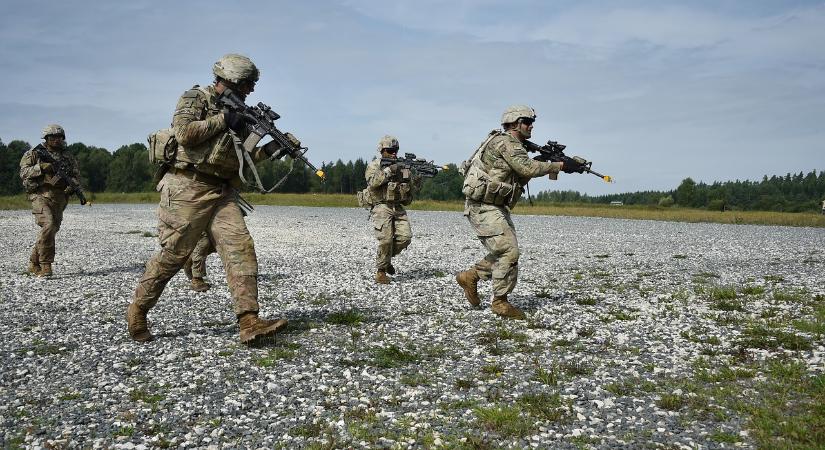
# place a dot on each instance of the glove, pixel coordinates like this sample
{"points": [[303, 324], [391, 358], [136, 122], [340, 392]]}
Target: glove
{"points": [[68, 191], [574, 165], [274, 150], [234, 121], [391, 170], [46, 167], [293, 140]]}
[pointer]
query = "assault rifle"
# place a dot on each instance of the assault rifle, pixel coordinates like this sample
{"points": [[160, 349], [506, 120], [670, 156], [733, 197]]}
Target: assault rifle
{"points": [[554, 152], [60, 171], [410, 161], [261, 123]]}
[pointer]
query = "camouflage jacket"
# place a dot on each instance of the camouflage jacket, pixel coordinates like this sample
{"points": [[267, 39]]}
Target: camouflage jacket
{"points": [[384, 189], [203, 139], [35, 180]]}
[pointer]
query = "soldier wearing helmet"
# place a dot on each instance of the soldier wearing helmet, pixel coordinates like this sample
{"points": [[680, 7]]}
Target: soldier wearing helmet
{"points": [[493, 183], [389, 189], [199, 195], [48, 193]]}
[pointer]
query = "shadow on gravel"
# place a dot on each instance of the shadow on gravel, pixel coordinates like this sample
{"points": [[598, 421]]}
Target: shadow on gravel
{"points": [[109, 270], [419, 274]]}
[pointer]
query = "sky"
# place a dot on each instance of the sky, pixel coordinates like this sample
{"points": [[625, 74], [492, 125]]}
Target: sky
{"points": [[652, 92]]}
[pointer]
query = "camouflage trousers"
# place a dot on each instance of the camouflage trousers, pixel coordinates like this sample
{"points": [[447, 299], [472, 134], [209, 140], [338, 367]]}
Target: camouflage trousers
{"points": [[392, 229], [187, 209], [497, 233], [48, 214], [203, 248]]}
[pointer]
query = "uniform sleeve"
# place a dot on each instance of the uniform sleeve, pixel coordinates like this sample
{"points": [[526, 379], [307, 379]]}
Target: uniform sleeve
{"points": [[29, 166], [417, 182], [374, 175], [190, 122], [516, 156], [74, 171]]}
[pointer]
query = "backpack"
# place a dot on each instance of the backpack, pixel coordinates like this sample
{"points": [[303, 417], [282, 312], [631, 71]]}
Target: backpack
{"points": [[163, 147]]}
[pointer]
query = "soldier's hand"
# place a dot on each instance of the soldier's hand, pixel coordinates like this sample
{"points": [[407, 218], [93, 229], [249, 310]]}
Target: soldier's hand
{"points": [[68, 191], [293, 140], [391, 170], [46, 167], [274, 150], [573, 165], [235, 122]]}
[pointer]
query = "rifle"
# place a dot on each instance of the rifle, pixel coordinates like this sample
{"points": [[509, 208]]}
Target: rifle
{"points": [[410, 161], [554, 152], [261, 122], [60, 171]]}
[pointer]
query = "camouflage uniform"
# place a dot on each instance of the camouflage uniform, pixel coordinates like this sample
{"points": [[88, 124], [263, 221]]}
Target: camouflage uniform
{"points": [[388, 216], [199, 195], [46, 193], [203, 248], [493, 185]]}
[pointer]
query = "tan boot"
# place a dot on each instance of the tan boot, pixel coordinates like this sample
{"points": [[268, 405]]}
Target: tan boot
{"points": [[136, 320], [468, 280], [34, 268], [504, 309], [254, 328], [381, 277], [198, 285], [45, 270], [187, 268]]}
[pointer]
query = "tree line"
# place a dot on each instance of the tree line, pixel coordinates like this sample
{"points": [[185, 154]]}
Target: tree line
{"points": [[128, 170]]}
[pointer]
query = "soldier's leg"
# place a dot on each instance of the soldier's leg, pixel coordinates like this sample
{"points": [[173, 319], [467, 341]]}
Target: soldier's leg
{"points": [[237, 251], [381, 219], [505, 252], [44, 215], [184, 212], [402, 235], [229, 234], [203, 248]]}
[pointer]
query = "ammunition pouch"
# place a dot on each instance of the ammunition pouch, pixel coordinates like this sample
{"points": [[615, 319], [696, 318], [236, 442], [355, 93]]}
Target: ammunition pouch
{"points": [[30, 185], [478, 187], [163, 147], [365, 199]]}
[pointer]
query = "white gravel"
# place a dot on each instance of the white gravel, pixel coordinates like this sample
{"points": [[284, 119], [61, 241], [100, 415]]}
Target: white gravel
{"points": [[70, 376]]}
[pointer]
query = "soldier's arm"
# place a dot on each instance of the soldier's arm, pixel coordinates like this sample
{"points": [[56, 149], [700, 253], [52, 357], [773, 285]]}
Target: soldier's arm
{"points": [[74, 169], [29, 166], [417, 182], [190, 129], [375, 176], [516, 156]]}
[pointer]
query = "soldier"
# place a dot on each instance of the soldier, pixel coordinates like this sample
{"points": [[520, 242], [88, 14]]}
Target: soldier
{"points": [[48, 193], [493, 184], [199, 194], [195, 266], [823, 206], [389, 189]]}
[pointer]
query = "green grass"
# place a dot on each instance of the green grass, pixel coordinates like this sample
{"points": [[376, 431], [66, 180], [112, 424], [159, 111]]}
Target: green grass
{"points": [[142, 395], [392, 356], [505, 420], [639, 212], [351, 317]]}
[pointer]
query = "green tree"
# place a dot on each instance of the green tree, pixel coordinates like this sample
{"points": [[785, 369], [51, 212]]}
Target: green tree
{"points": [[130, 170], [93, 163]]}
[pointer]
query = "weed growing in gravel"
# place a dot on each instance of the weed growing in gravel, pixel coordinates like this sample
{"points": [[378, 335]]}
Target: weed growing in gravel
{"points": [[815, 325], [753, 290], [351, 317], [760, 336], [575, 368], [671, 402], [392, 356], [414, 379], [225, 353], [543, 406], [791, 296], [622, 315], [724, 437], [492, 370], [124, 431], [563, 343], [586, 332], [461, 383], [587, 301], [68, 396], [679, 256], [274, 355], [141, 395], [773, 278], [504, 420], [549, 377]]}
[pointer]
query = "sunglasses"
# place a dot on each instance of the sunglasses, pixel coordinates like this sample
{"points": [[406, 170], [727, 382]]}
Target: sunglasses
{"points": [[526, 121], [390, 150]]}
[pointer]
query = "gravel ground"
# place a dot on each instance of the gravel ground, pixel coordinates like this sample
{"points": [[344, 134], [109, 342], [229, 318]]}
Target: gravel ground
{"points": [[610, 302]]}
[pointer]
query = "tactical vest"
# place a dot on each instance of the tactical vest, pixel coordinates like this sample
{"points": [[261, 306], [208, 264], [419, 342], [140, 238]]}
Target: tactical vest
{"points": [[398, 190], [215, 155], [488, 178]]}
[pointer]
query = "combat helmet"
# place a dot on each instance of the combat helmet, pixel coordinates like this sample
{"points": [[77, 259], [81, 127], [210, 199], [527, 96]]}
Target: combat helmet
{"points": [[387, 142], [516, 112], [51, 129], [235, 68]]}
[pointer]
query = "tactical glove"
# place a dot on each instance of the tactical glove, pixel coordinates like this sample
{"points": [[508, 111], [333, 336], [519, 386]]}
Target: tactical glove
{"points": [[68, 191], [235, 122], [46, 167], [391, 170], [274, 150], [574, 165]]}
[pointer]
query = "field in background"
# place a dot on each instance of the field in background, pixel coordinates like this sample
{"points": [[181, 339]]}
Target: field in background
{"points": [[674, 214]]}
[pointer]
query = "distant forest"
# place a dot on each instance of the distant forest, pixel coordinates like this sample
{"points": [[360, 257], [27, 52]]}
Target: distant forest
{"points": [[128, 170]]}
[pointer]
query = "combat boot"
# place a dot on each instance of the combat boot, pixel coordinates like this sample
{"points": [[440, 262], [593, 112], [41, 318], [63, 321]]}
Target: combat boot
{"points": [[136, 320], [45, 270], [504, 309], [381, 277], [391, 270], [468, 280], [254, 328], [34, 268], [198, 285], [187, 268]]}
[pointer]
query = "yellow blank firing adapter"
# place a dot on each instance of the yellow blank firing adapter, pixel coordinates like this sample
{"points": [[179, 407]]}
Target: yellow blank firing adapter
{"points": [[321, 174], [608, 178], [445, 168]]}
